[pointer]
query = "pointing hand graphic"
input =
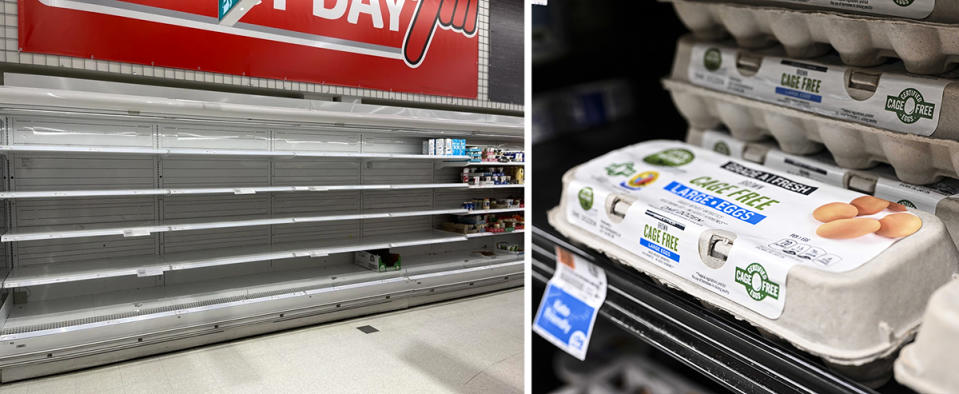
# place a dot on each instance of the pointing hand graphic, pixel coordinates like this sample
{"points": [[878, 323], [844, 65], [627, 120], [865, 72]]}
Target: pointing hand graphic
{"points": [[456, 15]]}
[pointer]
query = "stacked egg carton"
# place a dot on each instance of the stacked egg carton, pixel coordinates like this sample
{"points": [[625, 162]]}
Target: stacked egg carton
{"points": [[859, 94]]}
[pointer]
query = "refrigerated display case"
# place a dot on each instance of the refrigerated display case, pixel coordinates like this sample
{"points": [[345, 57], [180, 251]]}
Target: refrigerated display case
{"points": [[144, 219]]}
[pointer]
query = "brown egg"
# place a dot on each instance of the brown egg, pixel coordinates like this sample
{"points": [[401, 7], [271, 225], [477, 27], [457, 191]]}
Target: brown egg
{"points": [[899, 225], [848, 228], [834, 211], [894, 206], [869, 205]]}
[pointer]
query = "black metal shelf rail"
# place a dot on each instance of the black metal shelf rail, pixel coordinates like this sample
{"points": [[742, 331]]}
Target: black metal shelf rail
{"points": [[727, 351]]}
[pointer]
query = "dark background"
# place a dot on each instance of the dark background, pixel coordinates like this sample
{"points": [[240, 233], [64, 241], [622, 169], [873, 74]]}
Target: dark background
{"points": [[597, 67], [507, 54]]}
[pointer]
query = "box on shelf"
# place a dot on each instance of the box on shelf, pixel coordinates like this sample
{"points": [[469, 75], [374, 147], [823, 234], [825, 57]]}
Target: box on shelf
{"points": [[484, 223], [444, 147], [380, 260], [772, 109], [429, 147], [510, 247], [781, 252], [464, 228], [925, 48], [885, 97], [475, 153], [491, 175], [940, 198], [478, 204], [928, 10]]}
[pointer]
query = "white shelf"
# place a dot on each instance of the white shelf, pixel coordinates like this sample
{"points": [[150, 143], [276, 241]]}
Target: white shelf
{"points": [[487, 211], [152, 265], [516, 186], [147, 229], [216, 152], [488, 234], [113, 98], [221, 190], [45, 274], [60, 316]]}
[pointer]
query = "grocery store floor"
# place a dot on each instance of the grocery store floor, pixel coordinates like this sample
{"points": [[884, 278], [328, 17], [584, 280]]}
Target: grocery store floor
{"points": [[469, 345]]}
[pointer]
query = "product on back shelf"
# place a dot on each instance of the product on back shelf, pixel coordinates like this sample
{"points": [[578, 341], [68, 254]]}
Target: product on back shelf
{"points": [[861, 41], [378, 260], [924, 10], [479, 223], [928, 365], [509, 247], [885, 96], [429, 147], [900, 103], [475, 153], [940, 198], [518, 157], [488, 176], [447, 147], [743, 237]]}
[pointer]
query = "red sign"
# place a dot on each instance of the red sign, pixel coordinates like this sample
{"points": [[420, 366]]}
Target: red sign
{"points": [[415, 46]]}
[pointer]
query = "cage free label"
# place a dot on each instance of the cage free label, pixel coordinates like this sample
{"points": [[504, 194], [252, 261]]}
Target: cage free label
{"points": [[900, 102], [701, 200], [912, 9], [567, 312]]}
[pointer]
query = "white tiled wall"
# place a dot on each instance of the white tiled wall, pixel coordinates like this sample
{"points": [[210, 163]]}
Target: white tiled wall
{"points": [[11, 54], [483, 25]]}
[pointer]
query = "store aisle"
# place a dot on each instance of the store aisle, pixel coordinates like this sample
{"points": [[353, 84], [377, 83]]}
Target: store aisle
{"points": [[468, 345]]}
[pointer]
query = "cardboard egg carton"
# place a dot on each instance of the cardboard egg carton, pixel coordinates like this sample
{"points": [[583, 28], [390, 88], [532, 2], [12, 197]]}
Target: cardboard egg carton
{"points": [[916, 160], [923, 157], [941, 11], [855, 321], [925, 48], [940, 198], [928, 364]]}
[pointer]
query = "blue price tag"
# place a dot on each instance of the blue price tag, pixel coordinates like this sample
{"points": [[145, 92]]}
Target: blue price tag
{"points": [[568, 309]]}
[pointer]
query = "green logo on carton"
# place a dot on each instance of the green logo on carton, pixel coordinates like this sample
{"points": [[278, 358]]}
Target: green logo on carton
{"points": [[721, 147], [673, 157], [757, 282], [903, 3], [712, 59], [907, 203], [909, 106], [586, 198], [621, 169]]}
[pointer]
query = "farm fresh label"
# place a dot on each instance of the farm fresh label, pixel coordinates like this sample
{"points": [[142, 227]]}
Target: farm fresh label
{"points": [[732, 227]]}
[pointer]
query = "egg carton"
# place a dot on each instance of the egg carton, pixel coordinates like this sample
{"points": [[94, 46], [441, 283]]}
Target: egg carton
{"points": [[885, 97], [925, 48], [940, 198], [941, 11], [915, 159], [855, 321], [928, 365]]}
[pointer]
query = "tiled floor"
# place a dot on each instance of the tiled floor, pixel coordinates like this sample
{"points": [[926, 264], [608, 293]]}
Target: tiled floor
{"points": [[470, 345]]}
